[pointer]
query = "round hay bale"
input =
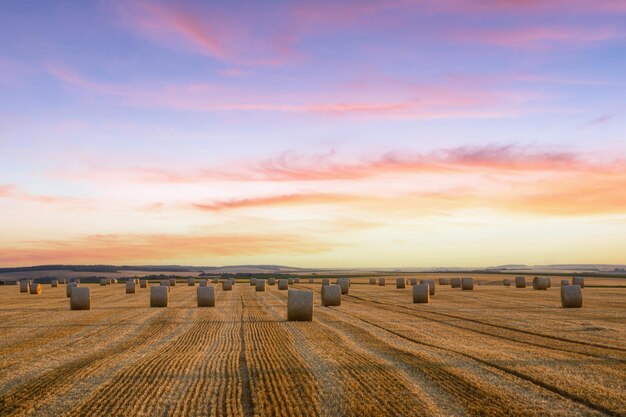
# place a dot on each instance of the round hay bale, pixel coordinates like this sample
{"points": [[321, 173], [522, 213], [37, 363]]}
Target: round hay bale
{"points": [[571, 296], [444, 281], [296, 280], [104, 282], [54, 283], [191, 282], [564, 283], [113, 281], [283, 284], [467, 284], [455, 282], [580, 281], [382, 282], [372, 281], [400, 283], [540, 283], [300, 305], [165, 283], [62, 281], [36, 289], [206, 296], [80, 298], [203, 283], [311, 281], [431, 285], [290, 280], [421, 294], [77, 280], [172, 282], [130, 287], [413, 281], [252, 282], [325, 281], [549, 282], [344, 284], [261, 285], [70, 286], [520, 282], [25, 286], [216, 280], [159, 296], [143, 283], [271, 281], [331, 295], [227, 285], [506, 282]]}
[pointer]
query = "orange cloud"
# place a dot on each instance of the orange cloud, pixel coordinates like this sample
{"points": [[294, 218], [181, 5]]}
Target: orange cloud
{"points": [[277, 200]]}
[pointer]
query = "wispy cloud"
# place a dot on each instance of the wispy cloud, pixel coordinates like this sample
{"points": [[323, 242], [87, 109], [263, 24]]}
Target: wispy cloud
{"points": [[14, 192]]}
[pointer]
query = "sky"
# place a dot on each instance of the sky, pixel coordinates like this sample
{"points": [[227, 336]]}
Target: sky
{"points": [[404, 133]]}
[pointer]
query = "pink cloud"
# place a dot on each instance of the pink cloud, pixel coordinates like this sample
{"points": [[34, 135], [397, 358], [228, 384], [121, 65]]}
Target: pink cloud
{"points": [[13, 192]]}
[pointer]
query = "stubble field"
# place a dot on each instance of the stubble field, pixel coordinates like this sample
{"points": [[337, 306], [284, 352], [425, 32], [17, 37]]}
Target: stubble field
{"points": [[489, 352]]}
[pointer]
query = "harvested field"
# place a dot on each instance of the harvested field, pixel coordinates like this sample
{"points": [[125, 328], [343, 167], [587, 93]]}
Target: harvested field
{"points": [[492, 351]]}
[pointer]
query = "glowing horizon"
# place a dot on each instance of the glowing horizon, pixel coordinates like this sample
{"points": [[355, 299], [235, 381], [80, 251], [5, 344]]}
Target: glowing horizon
{"points": [[349, 134]]}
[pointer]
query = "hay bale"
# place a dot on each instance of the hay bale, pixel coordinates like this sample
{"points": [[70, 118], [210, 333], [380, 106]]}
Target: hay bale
{"points": [[571, 296], [36, 289], [540, 283], [344, 284], [382, 282], [252, 282], [203, 283], [331, 295], [143, 283], [24, 286], [300, 305], [520, 282], [467, 284], [400, 283], [564, 283], [159, 296], [283, 284], [506, 282], [290, 280], [431, 285], [62, 281], [191, 282], [444, 281], [271, 281], [130, 287], [372, 281], [172, 282], [413, 281], [296, 280], [104, 282], [227, 285], [421, 294], [325, 281], [580, 281], [311, 281], [206, 296], [113, 281], [70, 286], [77, 280], [261, 285], [80, 298], [216, 280], [455, 282], [54, 283], [164, 283]]}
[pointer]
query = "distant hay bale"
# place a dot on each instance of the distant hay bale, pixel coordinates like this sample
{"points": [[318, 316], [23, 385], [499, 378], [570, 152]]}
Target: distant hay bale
{"points": [[549, 282], [54, 283], [580, 281], [203, 283], [455, 282], [444, 281], [216, 280], [421, 294], [70, 286], [24, 286], [300, 305], [191, 282], [311, 281], [227, 285], [159, 296], [325, 281], [506, 282], [164, 283], [252, 282], [400, 283], [271, 281], [372, 281], [564, 283], [296, 280], [571, 296], [413, 281], [104, 282], [80, 298], [520, 282], [261, 285], [283, 284], [467, 284], [62, 281], [113, 281], [540, 283], [143, 283], [130, 287], [331, 295], [431, 285], [232, 280], [172, 282], [77, 280], [36, 289], [206, 296], [382, 282], [290, 280], [344, 284]]}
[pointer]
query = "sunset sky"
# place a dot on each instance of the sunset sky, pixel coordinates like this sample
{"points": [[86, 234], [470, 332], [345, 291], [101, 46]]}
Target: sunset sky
{"points": [[316, 134]]}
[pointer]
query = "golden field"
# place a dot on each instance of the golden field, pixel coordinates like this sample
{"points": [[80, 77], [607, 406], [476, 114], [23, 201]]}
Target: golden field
{"points": [[492, 351]]}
